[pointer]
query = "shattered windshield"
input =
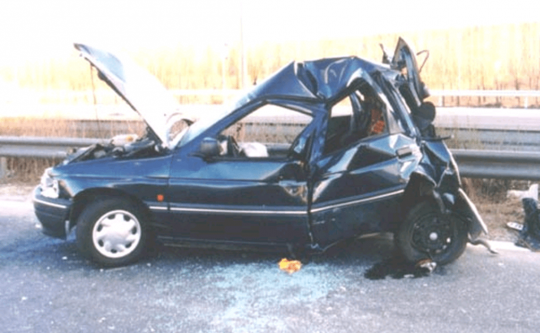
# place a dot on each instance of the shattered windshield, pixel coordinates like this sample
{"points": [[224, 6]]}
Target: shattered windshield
{"points": [[208, 119], [202, 124], [176, 128]]}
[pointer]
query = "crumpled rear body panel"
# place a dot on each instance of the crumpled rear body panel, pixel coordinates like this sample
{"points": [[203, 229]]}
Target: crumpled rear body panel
{"points": [[359, 190]]}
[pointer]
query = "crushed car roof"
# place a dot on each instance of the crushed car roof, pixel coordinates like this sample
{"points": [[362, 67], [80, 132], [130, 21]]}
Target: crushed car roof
{"points": [[318, 79]]}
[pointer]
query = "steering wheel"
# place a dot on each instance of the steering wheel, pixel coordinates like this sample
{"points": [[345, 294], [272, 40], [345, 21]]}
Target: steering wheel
{"points": [[233, 149]]}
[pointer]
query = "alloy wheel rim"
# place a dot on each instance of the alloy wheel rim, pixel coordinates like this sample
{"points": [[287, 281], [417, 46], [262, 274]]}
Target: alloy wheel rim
{"points": [[116, 234]]}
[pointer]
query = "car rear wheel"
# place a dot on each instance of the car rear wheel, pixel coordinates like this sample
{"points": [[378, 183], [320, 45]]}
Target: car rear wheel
{"points": [[427, 233], [111, 232]]}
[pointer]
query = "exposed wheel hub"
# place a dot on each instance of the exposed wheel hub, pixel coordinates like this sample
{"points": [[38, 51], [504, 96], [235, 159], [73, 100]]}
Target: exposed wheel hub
{"points": [[432, 234]]}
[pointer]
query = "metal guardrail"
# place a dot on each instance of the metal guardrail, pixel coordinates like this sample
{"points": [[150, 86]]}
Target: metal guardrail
{"points": [[40, 147], [472, 163], [498, 164], [486, 93]]}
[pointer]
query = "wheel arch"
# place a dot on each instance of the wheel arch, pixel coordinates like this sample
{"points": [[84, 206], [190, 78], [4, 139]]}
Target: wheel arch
{"points": [[420, 188], [82, 199]]}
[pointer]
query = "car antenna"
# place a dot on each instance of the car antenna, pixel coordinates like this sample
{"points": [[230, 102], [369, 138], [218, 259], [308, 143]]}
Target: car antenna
{"points": [[425, 59], [95, 100], [387, 55]]}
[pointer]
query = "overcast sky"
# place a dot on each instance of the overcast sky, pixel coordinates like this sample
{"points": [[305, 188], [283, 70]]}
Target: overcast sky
{"points": [[30, 28]]}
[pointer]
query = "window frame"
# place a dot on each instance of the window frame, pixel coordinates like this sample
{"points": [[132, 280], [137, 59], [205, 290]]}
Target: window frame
{"points": [[310, 116]]}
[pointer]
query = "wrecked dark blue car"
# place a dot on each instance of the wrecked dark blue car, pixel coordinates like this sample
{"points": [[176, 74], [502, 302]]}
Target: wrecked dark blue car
{"points": [[322, 151]]}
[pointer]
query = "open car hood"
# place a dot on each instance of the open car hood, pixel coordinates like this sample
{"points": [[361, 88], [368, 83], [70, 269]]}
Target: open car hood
{"points": [[141, 90]]}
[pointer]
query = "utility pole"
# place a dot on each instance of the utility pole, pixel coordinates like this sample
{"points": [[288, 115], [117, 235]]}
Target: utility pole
{"points": [[243, 59], [224, 58]]}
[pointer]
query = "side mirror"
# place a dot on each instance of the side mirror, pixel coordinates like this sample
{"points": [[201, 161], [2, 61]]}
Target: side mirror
{"points": [[209, 148]]}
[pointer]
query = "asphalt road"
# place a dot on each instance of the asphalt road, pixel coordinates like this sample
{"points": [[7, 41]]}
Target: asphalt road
{"points": [[45, 286]]}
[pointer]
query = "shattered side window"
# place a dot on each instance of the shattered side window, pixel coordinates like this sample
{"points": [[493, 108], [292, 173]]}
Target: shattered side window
{"points": [[269, 131], [356, 117]]}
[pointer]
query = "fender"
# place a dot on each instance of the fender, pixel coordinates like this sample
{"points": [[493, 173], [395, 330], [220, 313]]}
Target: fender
{"points": [[476, 225]]}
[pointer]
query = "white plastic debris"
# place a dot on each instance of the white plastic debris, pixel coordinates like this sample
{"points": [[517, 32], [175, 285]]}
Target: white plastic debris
{"points": [[124, 139], [254, 149], [532, 193]]}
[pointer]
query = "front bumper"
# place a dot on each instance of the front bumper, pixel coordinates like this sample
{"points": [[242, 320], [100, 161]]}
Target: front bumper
{"points": [[52, 214]]}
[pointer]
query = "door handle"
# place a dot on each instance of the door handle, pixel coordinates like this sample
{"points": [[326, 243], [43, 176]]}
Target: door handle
{"points": [[404, 151]]}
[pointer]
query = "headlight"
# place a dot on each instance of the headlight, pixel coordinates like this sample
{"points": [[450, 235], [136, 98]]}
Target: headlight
{"points": [[49, 186]]}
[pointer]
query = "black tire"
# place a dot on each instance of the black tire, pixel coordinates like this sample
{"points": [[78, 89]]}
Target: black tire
{"points": [[427, 233], [112, 232]]}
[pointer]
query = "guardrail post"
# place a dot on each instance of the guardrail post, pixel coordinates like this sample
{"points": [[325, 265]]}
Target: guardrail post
{"points": [[3, 167]]}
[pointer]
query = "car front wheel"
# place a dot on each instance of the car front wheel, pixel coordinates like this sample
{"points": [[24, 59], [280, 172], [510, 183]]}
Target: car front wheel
{"points": [[111, 232], [427, 233]]}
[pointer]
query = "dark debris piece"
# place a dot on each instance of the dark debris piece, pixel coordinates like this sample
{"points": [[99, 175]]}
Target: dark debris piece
{"points": [[529, 236], [397, 268]]}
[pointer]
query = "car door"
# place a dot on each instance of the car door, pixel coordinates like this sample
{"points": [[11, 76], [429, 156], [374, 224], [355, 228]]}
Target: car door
{"points": [[246, 196], [404, 60], [359, 179]]}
